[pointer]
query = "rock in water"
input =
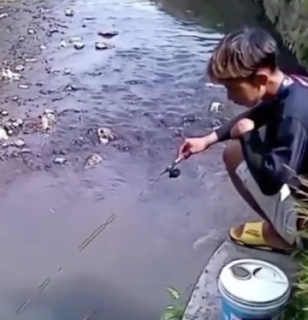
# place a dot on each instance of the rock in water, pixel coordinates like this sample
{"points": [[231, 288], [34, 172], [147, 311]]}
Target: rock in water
{"points": [[20, 68], [78, 45], [19, 143], [101, 46], [108, 34], [93, 161]]}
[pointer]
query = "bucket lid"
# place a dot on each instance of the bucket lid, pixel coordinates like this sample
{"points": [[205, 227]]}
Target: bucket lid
{"points": [[254, 281]]}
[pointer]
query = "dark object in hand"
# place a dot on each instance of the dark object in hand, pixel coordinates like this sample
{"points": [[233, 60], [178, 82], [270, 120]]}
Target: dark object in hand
{"points": [[174, 173]]}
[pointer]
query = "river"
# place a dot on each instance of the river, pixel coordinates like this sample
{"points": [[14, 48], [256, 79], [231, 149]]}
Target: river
{"points": [[59, 261]]}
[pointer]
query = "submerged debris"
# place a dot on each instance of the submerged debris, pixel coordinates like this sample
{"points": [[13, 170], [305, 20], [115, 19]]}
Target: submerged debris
{"points": [[48, 119], [23, 86], [60, 160], [4, 15], [215, 107], [105, 135], [108, 34], [3, 134], [93, 161], [75, 39], [69, 12], [30, 59], [8, 74], [213, 85], [63, 44]]}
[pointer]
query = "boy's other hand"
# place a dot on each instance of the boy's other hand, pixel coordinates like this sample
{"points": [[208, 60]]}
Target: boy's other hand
{"points": [[241, 127]]}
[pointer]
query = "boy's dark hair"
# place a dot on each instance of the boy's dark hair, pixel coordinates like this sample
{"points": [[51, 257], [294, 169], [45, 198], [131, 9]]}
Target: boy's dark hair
{"points": [[241, 53]]}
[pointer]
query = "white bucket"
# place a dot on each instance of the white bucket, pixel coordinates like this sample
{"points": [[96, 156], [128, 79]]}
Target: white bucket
{"points": [[252, 289]]}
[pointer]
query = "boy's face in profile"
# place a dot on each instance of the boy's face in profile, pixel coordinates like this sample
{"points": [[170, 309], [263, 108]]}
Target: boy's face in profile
{"points": [[246, 91]]}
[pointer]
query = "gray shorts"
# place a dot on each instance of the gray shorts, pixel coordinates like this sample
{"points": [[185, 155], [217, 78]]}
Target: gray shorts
{"points": [[279, 208]]}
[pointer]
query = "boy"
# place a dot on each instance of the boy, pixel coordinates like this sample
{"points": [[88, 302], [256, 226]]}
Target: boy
{"points": [[245, 62]]}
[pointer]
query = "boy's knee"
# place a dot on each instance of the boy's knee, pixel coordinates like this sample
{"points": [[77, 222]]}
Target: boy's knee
{"points": [[232, 155]]}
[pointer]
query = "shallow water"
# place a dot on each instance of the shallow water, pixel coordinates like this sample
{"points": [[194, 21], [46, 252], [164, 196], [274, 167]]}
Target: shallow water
{"points": [[149, 89]]}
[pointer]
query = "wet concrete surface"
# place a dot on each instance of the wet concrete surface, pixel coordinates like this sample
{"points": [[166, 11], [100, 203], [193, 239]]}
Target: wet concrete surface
{"points": [[60, 260]]}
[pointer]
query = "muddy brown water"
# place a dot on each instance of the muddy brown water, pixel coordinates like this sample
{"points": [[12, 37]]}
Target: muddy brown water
{"points": [[59, 261]]}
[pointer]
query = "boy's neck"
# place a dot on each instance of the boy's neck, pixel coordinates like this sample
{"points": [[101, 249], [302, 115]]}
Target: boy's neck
{"points": [[274, 84]]}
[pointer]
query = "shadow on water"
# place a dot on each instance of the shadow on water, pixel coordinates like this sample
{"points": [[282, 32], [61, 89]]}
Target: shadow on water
{"points": [[149, 90], [86, 298]]}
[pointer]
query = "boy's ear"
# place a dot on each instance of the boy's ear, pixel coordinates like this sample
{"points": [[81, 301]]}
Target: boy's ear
{"points": [[261, 78]]}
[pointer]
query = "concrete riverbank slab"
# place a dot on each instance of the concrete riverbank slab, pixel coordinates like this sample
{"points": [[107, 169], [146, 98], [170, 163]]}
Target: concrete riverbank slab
{"points": [[205, 299]]}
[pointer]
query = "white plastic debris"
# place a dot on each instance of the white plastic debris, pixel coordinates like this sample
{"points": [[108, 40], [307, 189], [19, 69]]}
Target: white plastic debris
{"points": [[59, 160], [3, 134], [8, 74], [215, 107]]}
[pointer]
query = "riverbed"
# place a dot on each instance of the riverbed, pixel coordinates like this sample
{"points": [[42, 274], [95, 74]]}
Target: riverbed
{"points": [[105, 242]]}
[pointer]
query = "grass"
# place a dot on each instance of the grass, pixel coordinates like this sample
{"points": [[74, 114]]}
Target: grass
{"points": [[176, 310], [298, 307]]}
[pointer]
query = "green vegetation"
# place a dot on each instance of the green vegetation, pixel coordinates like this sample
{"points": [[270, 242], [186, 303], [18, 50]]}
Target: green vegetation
{"points": [[176, 310]]}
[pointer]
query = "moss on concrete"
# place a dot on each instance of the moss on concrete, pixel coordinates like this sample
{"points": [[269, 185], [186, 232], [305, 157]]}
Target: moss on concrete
{"points": [[290, 17]]}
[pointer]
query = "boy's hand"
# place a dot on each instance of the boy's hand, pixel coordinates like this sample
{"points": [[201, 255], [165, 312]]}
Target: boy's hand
{"points": [[192, 146], [241, 127]]}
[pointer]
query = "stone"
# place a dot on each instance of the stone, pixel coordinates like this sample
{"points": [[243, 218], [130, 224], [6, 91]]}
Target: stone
{"points": [[4, 113], [101, 46], [31, 31], [108, 34], [42, 47], [92, 161], [78, 45], [19, 122], [19, 143], [20, 67]]}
